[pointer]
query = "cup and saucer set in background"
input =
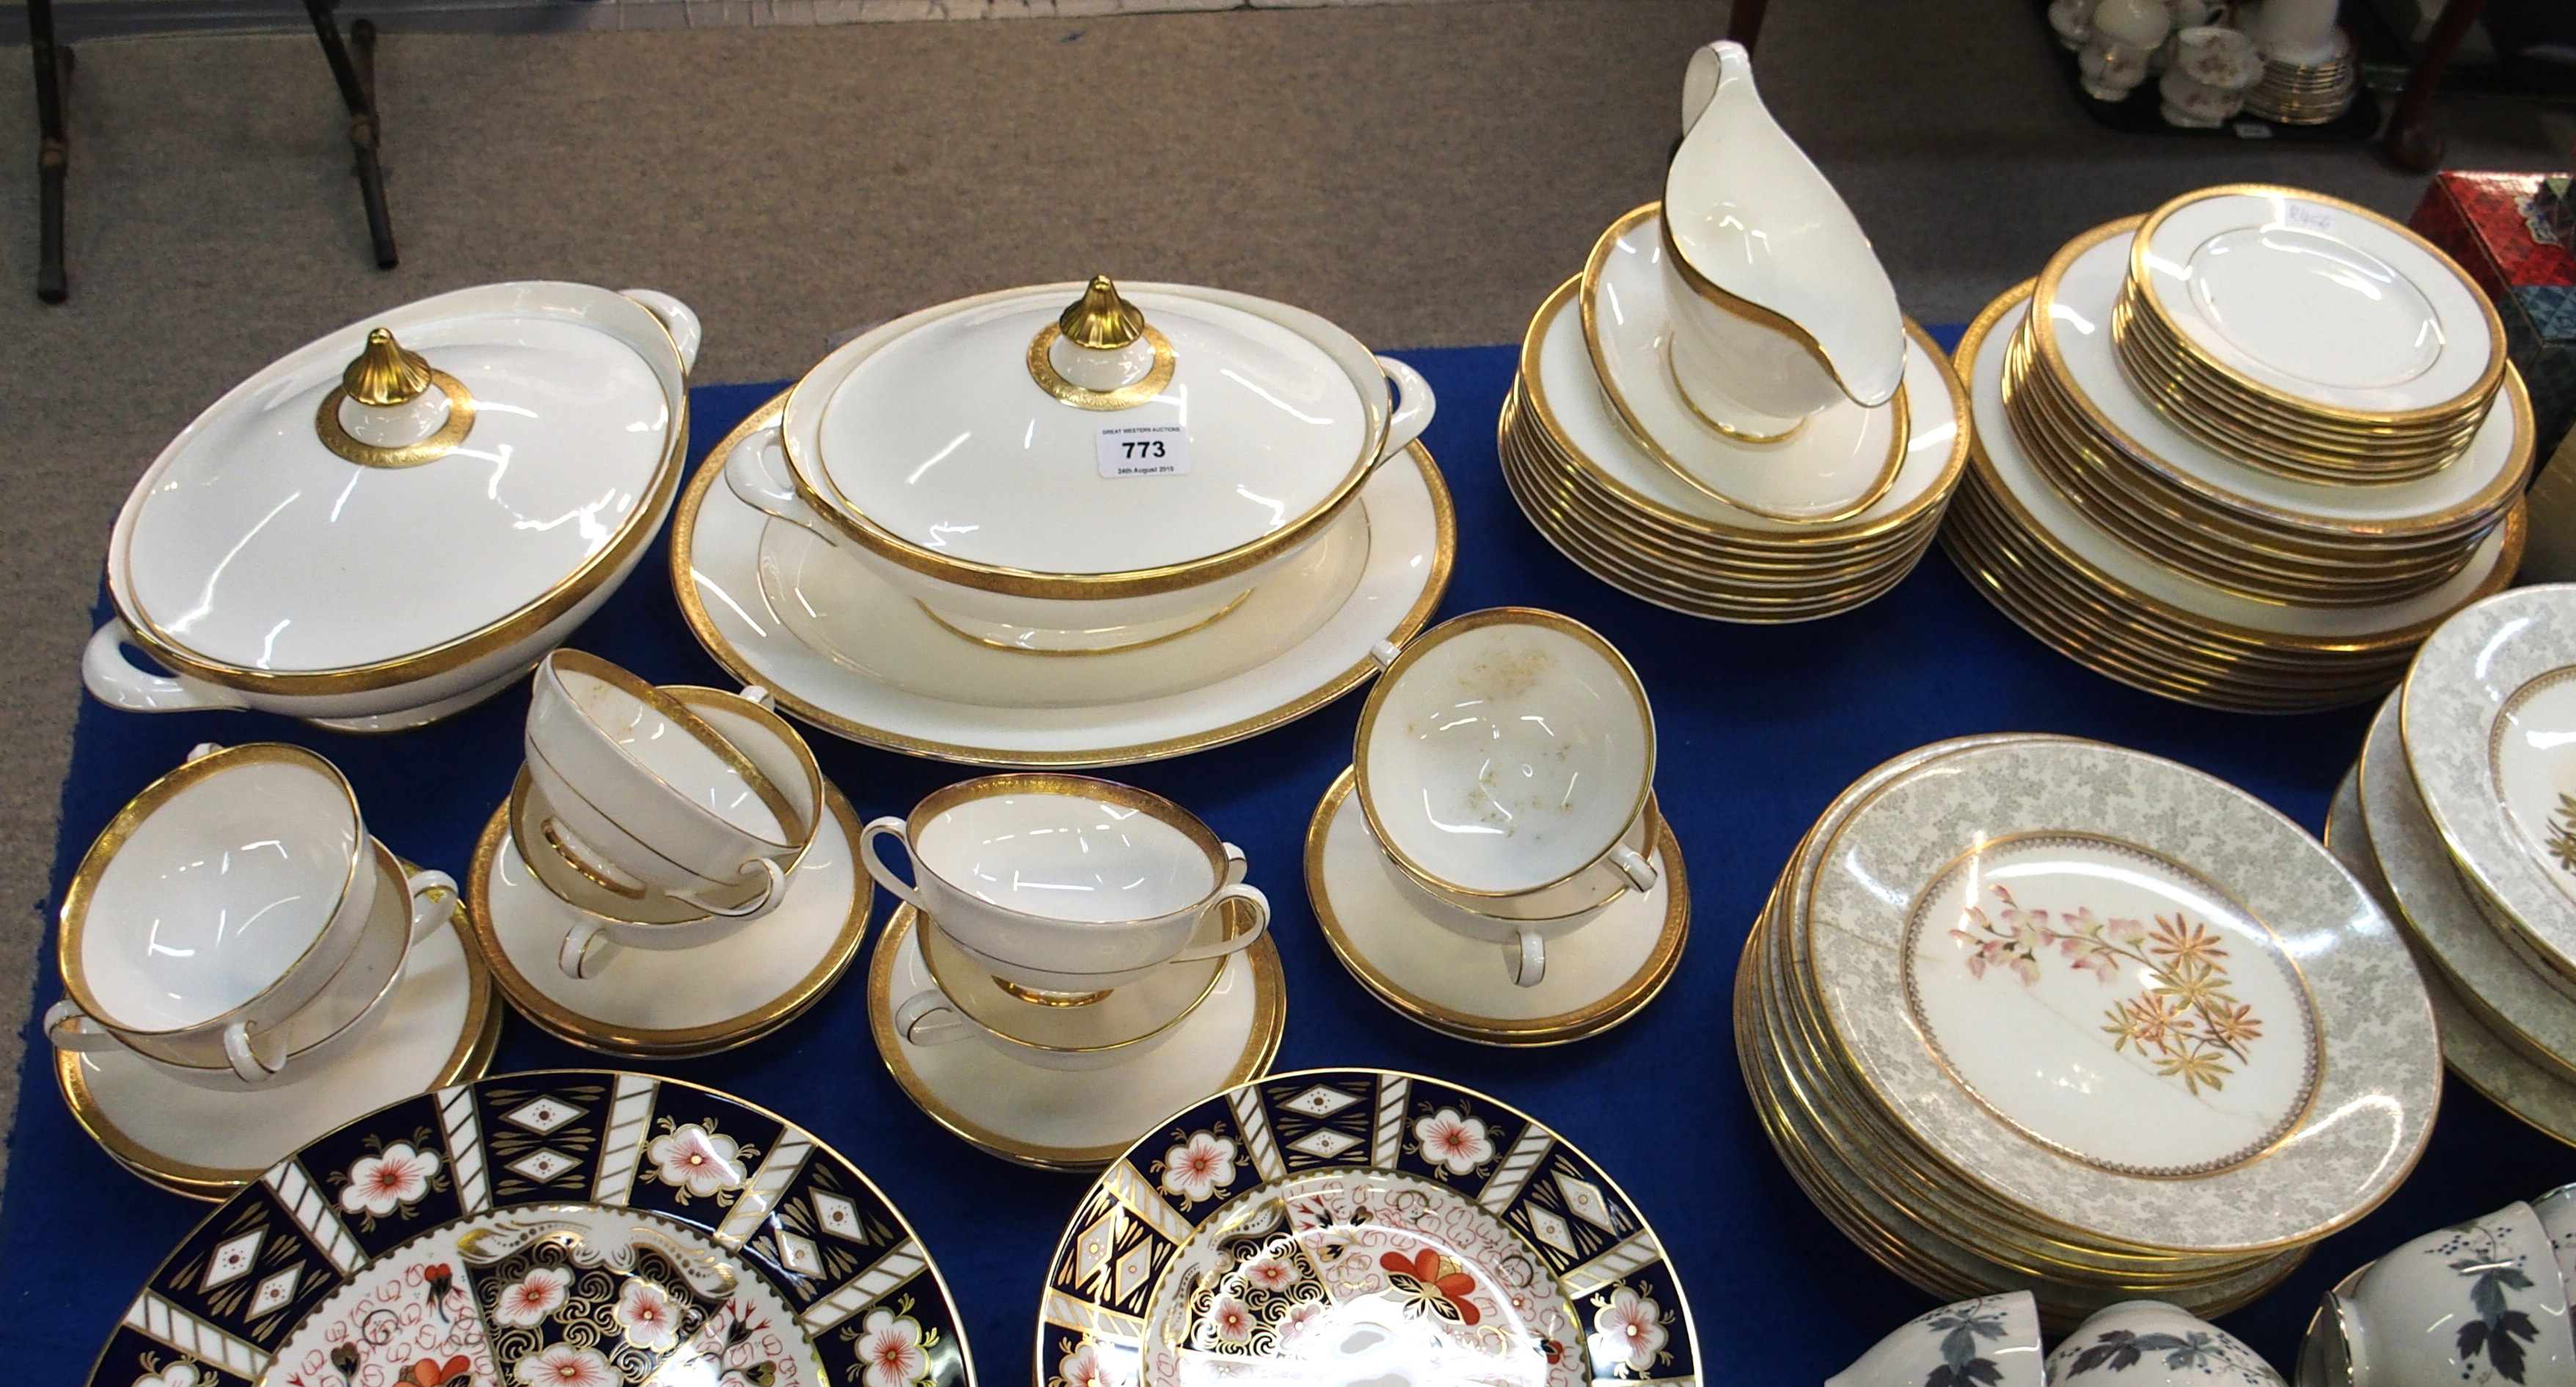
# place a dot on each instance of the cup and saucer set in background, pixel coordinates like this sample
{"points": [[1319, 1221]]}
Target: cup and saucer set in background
{"points": [[671, 874], [1074, 961], [1493, 864], [245, 968]]}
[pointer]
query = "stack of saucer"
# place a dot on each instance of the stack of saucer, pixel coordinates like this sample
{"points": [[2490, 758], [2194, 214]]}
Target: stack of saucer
{"points": [[1096, 942], [1500, 809], [2140, 548], [2458, 814], [246, 968], [2306, 335], [2022, 1013], [2307, 93], [671, 875], [1727, 415]]}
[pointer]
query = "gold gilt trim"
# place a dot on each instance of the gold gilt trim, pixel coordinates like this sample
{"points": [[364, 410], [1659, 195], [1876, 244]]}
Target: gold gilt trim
{"points": [[2478, 392], [1147, 387], [693, 609], [684, 1042], [1142, 801], [531, 617], [460, 422], [475, 1043], [681, 716], [1440, 635], [1260, 1047], [1716, 296], [989, 643], [1591, 1019], [149, 801]]}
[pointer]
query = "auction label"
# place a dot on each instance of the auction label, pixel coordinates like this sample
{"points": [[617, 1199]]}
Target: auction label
{"points": [[1144, 450]]}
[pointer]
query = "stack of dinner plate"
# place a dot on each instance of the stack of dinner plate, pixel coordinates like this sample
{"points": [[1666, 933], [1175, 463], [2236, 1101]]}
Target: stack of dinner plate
{"points": [[2043, 1014], [2152, 526], [1615, 467], [2295, 93], [2460, 815]]}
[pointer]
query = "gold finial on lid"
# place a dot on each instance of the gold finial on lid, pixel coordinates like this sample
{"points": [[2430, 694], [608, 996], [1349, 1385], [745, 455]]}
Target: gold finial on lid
{"points": [[1100, 319], [385, 373]]}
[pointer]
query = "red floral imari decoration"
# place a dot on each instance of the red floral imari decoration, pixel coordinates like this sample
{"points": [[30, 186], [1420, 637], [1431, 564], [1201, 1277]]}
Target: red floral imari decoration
{"points": [[429, 1372], [1431, 1283]]}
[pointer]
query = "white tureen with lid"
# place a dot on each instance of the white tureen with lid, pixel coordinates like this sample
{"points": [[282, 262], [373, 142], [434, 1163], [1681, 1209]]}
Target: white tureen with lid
{"points": [[395, 520], [1085, 478]]}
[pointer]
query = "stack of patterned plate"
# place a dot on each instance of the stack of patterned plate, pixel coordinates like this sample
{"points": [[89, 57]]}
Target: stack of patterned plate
{"points": [[2307, 93], [2146, 551], [2023, 1013], [2460, 814], [1611, 463], [2306, 335]]}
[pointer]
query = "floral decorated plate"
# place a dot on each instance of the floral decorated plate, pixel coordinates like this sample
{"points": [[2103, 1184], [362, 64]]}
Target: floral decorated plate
{"points": [[574, 1228], [2133, 1000], [1359, 1226]]}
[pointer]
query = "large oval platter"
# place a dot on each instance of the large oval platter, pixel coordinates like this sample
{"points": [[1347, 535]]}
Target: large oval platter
{"points": [[568, 1228], [1359, 1225]]}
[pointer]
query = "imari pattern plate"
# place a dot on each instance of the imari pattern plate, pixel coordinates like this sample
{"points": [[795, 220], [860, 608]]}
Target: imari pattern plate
{"points": [[1357, 1225], [575, 1228]]}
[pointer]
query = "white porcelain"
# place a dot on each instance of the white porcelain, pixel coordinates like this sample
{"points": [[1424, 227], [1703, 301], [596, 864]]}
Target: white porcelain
{"points": [[1780, 305], [1991, 1341], [928, 451], [428, 1031], [667, 984], [265, 571], [1831, 464], [914, 685], [2556, 1211], [2479, 1303], [2299, 33], [2316, 299], [2035, 495], [2135, 23], [2078, 330], [2150, 1343], [1063, 1118], [2111, 69], [2072, 21], [216, 905], [1050, 877], [1409, 945], [2212, 70], [1504, 761], [645, 795], [1524, 936], [1105, 1030]]}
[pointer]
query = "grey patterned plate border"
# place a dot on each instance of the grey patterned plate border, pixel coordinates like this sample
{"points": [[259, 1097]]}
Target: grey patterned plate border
{"points": [[710, 1187], [1146, 1207], [2460, 683], [2374, 1105]]}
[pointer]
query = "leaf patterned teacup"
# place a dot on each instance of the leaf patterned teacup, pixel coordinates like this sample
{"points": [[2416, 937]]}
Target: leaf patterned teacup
{"points": [[2148, 1343], [1992, 1341], [2481, 1304]]}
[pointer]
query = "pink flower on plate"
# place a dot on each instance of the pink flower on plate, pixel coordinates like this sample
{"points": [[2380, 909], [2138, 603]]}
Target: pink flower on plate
{"points": [[1230, 1320], [890, 1350], [378, 1184], [1629, 1330], [1300, 1318], [1457, 1142], [1199, 1167], [1083, 1368], [1271, 1273], [694, 1159], [647, 1317], [565, 1366], [533, 1297]]}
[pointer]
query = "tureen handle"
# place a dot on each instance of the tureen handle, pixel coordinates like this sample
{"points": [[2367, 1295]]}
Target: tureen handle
{"points": [[1414, 405], [115, 680], [678, 319], [756, 472]]}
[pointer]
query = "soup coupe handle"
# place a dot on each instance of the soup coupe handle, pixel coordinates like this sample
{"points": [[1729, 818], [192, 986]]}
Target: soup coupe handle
{"points": [[114, 679], [1526, 959], [71, 1028], [773, 890], [1237, 891], [428, 910], [905, 891], [760, 476], [1639, 871], [586, 948], [1415, 403], [927, 1017], [246, 1063]]}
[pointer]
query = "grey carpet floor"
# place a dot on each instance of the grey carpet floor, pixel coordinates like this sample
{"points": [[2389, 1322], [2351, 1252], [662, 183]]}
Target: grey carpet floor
{"points": [[1423, 174]]}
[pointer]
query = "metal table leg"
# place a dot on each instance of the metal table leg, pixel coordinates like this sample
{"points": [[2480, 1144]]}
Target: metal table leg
{"points": [[53, 156], [357, 78]]}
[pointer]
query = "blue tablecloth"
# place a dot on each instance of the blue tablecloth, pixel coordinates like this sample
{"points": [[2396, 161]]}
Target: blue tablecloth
{"points": [[1760, 728]]}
